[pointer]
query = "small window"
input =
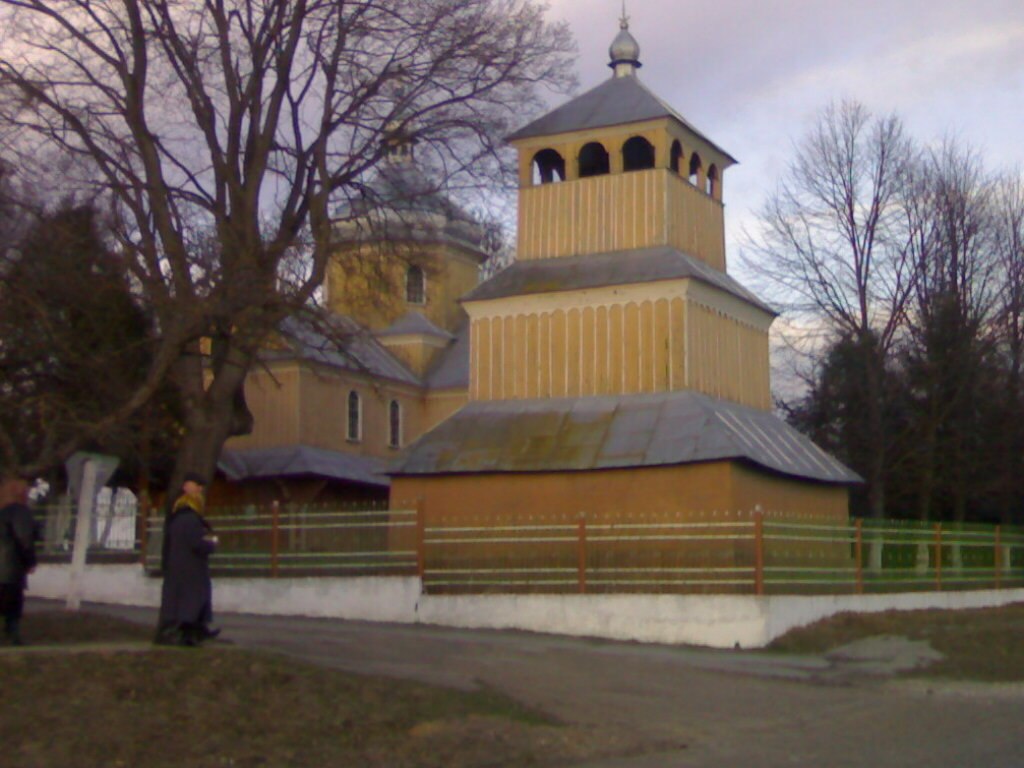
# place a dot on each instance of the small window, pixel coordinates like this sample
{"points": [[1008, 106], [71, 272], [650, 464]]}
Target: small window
{"points": [[695, 167], [594, 160], [548, 167], [637, 154], [676, 160], [415, 286], [395, 424], [355, 411]]}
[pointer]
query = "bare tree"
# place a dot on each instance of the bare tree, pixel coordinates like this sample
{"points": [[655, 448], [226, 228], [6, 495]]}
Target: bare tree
{"points": [[1008, 242], [249, 120], [832, 249]]}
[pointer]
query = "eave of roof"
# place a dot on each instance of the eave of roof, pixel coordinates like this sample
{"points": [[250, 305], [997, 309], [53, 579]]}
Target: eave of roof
{"points": [[615, 432], [302, 461], [644, 265], [616, 101]]}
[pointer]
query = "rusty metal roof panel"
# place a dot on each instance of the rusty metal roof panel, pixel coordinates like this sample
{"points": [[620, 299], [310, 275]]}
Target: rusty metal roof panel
{"points": [[575, 434]]}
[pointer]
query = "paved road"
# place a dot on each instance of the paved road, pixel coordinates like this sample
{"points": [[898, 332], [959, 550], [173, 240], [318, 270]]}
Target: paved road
{"points": [[684, 707]]}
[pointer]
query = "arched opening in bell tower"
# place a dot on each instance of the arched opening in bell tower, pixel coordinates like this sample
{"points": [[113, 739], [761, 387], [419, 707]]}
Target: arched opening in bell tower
{"points": [[637, 154], [548, 167], [695, 168], [676, 156], [594, 160], [711, 187]]}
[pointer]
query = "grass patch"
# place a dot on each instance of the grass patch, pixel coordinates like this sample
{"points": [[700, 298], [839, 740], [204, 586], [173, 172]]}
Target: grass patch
{"points": [[980, 644], [223, 706]]}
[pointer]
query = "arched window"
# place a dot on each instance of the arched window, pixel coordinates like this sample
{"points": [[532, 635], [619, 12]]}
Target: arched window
{"points": [[695, 166], [637, 154], [711, 187], [415, 286], [395, 424], [676, 158], [548, 167], [594, 160], [355, 412]]}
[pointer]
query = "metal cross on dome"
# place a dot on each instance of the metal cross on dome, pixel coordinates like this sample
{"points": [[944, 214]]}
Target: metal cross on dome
{"points": [[624, 20]]}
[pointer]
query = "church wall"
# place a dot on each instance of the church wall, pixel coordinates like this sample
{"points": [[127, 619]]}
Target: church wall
{"points": [[708, 493], [622, 211], [367, 282], [301, 405], [623, 340]]}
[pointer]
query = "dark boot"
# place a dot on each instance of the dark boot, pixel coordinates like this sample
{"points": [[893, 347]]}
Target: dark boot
{"points": [[167, 634], [12, 631]]}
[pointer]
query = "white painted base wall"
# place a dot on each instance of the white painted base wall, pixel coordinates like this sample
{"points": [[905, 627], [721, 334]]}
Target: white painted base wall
{"points": [[717, 621]]}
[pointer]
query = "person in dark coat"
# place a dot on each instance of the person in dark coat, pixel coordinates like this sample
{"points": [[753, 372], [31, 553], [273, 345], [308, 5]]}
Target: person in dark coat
{"points": [[17, 553], [186, 599]]}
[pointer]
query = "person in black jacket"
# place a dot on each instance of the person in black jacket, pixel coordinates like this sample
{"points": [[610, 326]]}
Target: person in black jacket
{"points": [[17, 553], [186, 600]]}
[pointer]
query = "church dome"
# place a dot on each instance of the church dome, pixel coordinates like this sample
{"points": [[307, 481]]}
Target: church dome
{"points": [[624, 48]]}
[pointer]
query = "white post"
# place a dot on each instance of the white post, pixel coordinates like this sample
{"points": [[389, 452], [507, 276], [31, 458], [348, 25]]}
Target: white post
{"points": [[83, 530], [87, 473]]}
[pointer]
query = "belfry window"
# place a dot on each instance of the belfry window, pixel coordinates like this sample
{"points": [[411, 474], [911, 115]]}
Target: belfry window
{"points": [[676, 158], [594, 160], [695, 168], [395, 424], [415, 286], [637, 154], [711, 187], [355, 412], [548, 167]]}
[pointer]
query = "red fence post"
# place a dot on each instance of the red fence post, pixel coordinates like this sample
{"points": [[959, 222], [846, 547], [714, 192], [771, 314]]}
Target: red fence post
{"points": [[275, 533], [421, 557], [581, 552], [998, 560], [938, 556], [859, 554], [758, 552]]}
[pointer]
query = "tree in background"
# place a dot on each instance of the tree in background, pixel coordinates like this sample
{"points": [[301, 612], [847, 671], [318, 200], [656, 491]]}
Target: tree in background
{"points": [[833, 249], [949, 345], [220, 134], [74, 345]]}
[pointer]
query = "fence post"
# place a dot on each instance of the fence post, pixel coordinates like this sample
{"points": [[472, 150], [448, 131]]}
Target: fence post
{"points": [[421, 556], [758, 551], [938, 556], [859, 554], [144, 511], [997, 561], [275, 533], [581, 552]]}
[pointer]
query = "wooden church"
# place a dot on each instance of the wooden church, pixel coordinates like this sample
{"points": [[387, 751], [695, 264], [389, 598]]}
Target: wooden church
{"points": [[616, 365]]}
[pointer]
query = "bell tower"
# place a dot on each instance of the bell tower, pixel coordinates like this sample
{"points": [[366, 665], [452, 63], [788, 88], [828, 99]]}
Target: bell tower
{"points": [[618, 169]]}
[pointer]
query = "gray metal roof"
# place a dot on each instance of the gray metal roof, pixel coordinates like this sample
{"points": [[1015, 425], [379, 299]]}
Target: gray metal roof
{"points": [[645, 265], [303, 460], [348, 346], [573, 434], [414, 323], [451, 370], [616, 101]]}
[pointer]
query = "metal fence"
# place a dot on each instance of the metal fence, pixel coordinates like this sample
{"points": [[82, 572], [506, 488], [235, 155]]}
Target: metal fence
{"points": [[114, 531], [738, 553], [304, 540], [676, 552]]}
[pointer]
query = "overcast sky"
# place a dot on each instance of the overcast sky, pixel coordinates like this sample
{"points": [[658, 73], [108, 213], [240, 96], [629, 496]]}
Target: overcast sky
{"points": [[752, 74]]}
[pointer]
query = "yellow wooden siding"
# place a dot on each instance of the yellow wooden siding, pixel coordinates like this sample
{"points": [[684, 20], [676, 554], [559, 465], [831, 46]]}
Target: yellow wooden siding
{"points": [[651, 345], [640, 209]]}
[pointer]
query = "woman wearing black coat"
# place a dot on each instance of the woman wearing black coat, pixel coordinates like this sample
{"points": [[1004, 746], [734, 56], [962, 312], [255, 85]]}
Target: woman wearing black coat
{"points": [[186, 599]]}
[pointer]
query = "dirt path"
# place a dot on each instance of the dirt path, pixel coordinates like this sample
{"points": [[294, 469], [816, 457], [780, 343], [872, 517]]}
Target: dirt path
{"points": [[679, 706]]}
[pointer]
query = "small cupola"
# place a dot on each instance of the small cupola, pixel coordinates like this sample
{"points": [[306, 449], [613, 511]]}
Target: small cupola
{"points": [[624, 51]]}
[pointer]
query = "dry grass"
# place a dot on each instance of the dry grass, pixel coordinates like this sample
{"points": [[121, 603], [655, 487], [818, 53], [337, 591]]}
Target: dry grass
{"points": [[984, 644], [222, 706]]}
